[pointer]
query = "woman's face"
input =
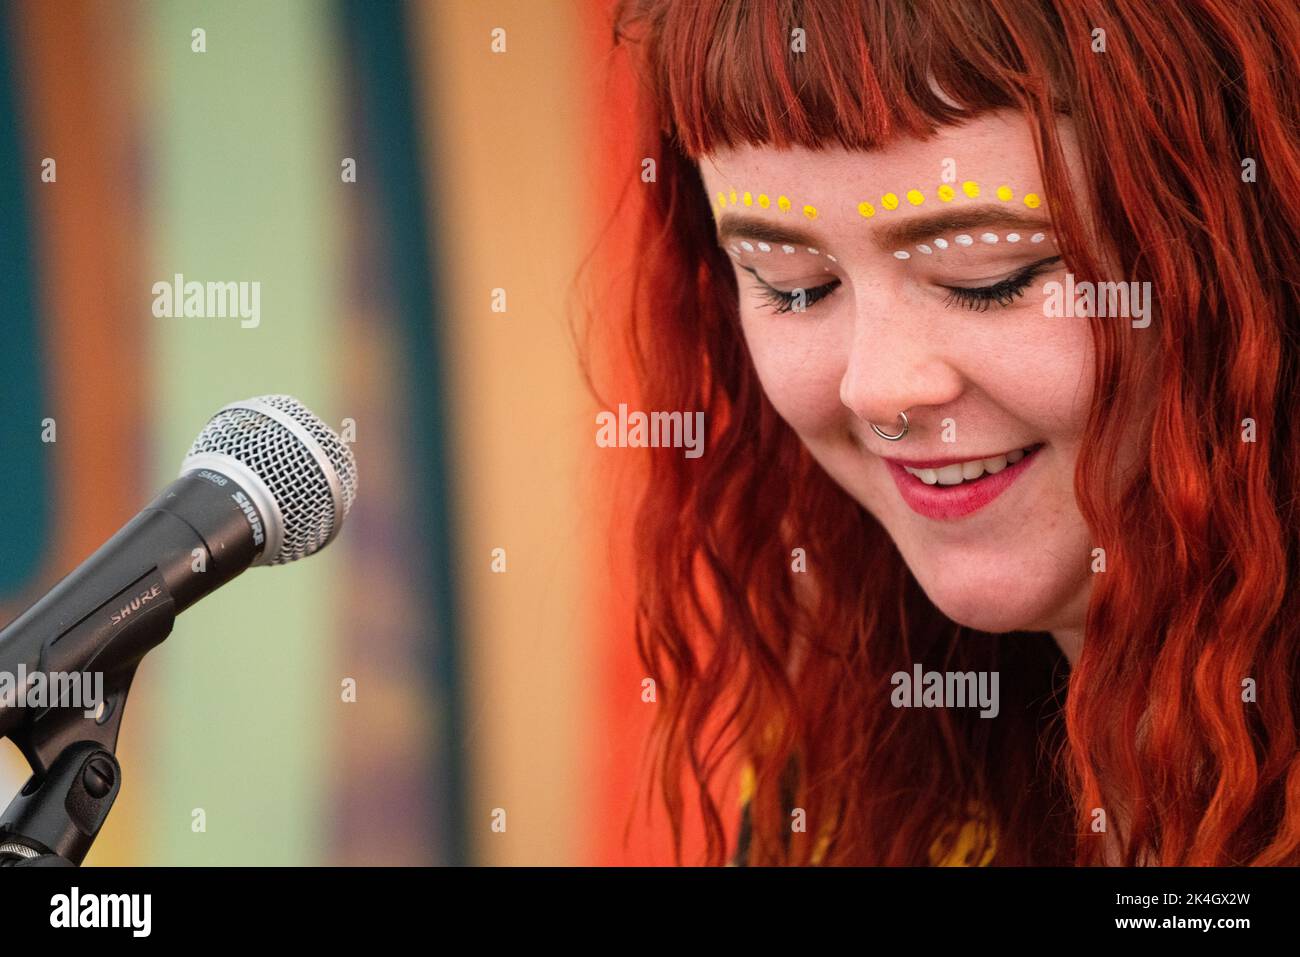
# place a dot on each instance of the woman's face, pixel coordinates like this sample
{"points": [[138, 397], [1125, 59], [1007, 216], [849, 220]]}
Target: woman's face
{"points": [[932, 304]]}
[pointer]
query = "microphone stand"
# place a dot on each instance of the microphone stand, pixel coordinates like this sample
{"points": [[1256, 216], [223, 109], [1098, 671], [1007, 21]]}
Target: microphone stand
{"points": [[56, 817], [76, 777]]}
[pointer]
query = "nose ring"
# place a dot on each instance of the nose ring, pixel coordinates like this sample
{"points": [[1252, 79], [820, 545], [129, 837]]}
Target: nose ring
{"points": [[896, 436]]}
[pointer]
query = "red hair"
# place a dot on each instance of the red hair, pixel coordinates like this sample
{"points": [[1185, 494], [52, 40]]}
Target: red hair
{"points": [[1201, 543]]}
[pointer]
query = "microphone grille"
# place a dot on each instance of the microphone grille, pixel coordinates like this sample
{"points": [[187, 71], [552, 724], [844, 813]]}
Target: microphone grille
{"points": [[308, 470]]}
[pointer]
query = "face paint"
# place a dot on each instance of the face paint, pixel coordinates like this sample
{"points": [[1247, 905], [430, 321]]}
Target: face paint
{"points": [[888, 202], [966, 240], [866, 208]]}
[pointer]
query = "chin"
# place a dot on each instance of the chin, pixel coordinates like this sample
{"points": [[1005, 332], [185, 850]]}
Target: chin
{"points": [[995, 606]]}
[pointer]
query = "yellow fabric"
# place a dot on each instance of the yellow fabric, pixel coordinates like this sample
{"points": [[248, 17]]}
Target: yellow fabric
{"points": [[746, 784], [975, 831], [819, 851]]}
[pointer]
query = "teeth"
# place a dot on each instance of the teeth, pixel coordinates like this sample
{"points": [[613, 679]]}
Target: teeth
{"points": [[950, 475], [959, 472]]}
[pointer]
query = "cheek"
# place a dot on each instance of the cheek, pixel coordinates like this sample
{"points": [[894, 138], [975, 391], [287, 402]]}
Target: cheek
{"points": [[800, 370], [1047, 381], [1038, 379]]}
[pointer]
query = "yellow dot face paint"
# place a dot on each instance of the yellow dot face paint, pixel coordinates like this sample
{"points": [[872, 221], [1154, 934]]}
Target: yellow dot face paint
{"points": [[889, 201]]}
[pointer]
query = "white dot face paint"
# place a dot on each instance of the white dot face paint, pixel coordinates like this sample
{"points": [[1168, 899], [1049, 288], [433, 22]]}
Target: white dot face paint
{"points": [[785, 267], [771, 270], [965, 239]]}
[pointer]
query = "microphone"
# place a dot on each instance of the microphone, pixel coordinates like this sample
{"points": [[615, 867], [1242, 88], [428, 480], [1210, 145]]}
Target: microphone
{"points": [[265, 483]]}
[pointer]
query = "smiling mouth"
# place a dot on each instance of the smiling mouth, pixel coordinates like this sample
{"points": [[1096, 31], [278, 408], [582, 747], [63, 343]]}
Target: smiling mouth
{"points": [[949, 491], [971, 471]]}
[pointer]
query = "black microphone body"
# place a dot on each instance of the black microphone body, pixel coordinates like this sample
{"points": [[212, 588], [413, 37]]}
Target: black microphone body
{"points": [[123, 600]]}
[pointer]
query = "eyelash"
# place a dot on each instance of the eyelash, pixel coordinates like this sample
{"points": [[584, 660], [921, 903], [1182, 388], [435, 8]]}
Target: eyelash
{"points": [[783, 302], [1003, 292], [978, 298]]}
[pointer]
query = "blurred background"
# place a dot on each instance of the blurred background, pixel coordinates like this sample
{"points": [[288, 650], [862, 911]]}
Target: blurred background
{"points": [[476, 170]]}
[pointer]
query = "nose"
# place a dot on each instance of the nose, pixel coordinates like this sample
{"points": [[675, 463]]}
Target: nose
{"points": [[896, 364]]}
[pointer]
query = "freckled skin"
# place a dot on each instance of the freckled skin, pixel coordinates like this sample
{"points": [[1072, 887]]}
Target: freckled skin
{"points": [[886, 341]]}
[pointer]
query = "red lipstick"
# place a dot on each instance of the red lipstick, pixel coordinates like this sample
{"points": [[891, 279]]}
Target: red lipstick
{"points": [[948, 502]]}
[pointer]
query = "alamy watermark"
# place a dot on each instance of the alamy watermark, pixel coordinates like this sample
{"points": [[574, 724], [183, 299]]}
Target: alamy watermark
{"points": [[133, 912], [208, 300], [1083, 300], [673, 430], [946, 689], [52, 689]]}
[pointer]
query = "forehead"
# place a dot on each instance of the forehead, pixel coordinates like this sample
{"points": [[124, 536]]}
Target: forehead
{"points": [[984, 169]]}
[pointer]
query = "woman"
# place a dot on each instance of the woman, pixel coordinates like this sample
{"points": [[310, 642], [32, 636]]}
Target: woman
{"points": [[991, 309]]}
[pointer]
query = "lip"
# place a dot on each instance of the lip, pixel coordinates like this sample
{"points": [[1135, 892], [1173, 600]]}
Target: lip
{"points": [[948, 502]]}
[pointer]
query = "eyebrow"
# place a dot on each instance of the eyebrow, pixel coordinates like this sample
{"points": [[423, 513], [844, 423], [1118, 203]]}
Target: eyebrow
{"points": [[740, 226], [913, 229], [920, 228]]}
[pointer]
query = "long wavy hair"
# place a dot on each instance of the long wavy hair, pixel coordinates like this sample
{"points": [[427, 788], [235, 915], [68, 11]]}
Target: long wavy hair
{"points": [[1198, 602]]}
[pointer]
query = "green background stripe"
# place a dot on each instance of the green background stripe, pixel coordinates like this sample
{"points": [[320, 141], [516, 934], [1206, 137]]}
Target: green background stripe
{"points": [[248, 188]]}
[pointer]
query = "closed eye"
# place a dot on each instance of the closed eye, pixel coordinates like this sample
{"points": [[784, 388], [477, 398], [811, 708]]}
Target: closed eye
{"points": [[796, 300], [1003, 293]]}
